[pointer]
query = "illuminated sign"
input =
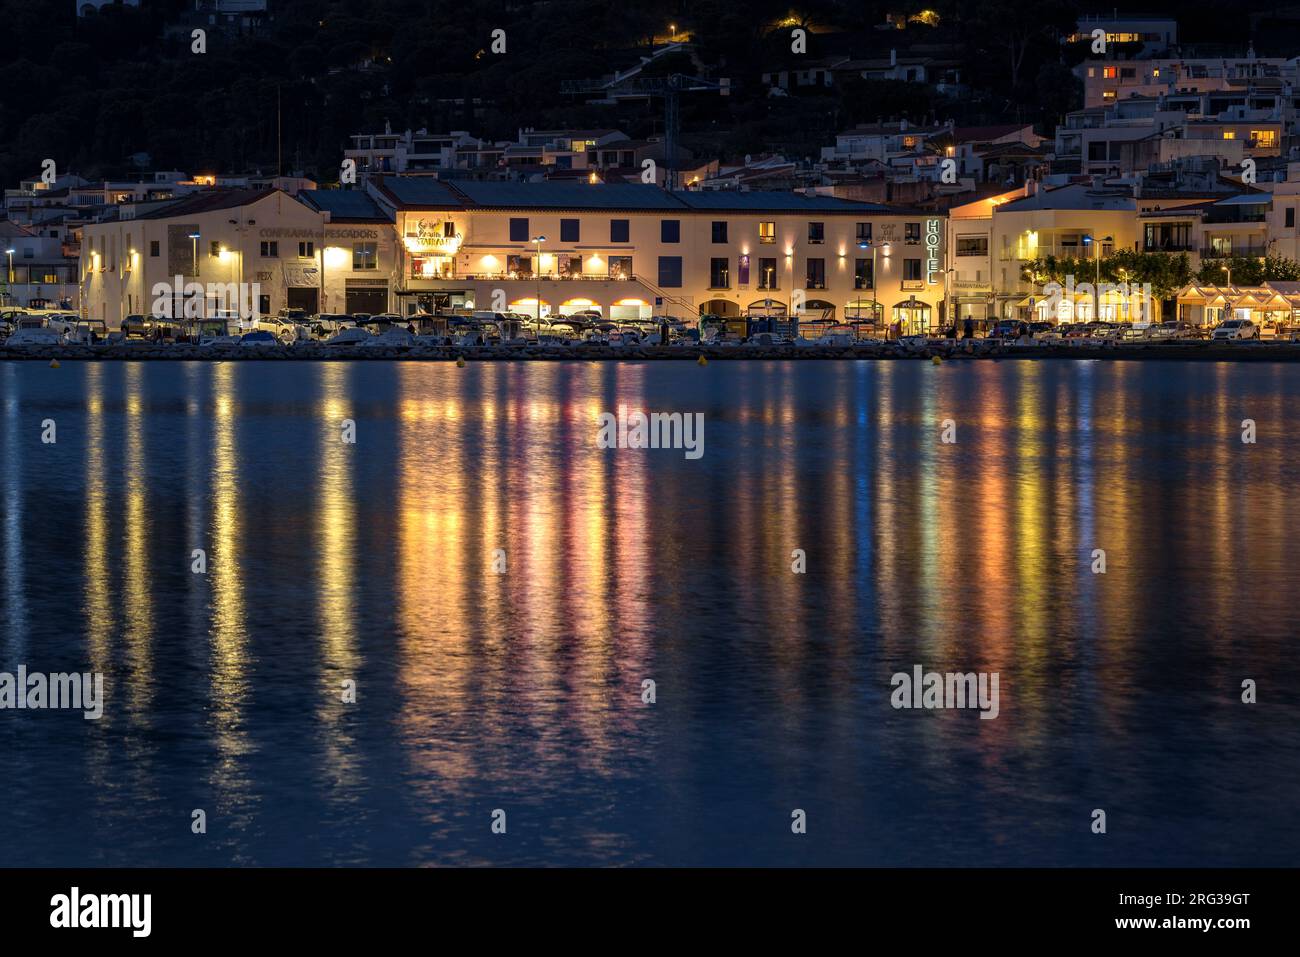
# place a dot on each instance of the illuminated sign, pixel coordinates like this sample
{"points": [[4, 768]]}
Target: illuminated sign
{"points": [[430, 236], [932, 238]]}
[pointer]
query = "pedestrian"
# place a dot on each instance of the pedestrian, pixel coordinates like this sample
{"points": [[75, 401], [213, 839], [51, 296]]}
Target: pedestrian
{"points": [[968, 328]]}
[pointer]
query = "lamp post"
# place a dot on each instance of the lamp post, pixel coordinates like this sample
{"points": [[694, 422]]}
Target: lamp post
{"points": [[1096, 285], [948, 306], [539, 240], [876, 307], [9, 282]]}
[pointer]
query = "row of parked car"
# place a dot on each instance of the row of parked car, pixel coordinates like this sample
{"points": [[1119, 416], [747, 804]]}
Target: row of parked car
{"points": [[1129, 331]]}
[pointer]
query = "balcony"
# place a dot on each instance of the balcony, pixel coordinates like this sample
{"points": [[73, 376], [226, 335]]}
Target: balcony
{"points": [[1058, 251], [1252, 251]]}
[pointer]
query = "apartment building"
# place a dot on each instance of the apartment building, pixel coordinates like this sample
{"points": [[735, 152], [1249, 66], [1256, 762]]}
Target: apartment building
{"points": [[1144, 36], [1107, 81]]}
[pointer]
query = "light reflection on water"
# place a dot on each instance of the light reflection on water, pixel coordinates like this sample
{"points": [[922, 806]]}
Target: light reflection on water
{"points": [[375, 563]]}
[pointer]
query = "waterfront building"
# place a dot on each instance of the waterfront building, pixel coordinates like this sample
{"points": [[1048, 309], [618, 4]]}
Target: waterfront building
{"points": [[630, 251], [276, 251]]}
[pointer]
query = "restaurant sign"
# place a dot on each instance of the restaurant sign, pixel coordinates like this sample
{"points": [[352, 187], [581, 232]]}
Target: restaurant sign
{"points": [[431, 236]]}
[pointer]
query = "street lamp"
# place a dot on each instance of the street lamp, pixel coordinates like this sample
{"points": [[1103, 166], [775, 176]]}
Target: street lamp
{"points": [[9, 283], [877, 308], [539, 240], [1224, 266]]}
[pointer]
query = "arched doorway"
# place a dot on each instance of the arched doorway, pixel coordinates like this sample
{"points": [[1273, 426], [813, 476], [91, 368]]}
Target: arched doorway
{"points": [[912, 316], [528, 307], [819, 310], [630, 310], [724, 308], [864, 310], [570, 306], [768, 308]]}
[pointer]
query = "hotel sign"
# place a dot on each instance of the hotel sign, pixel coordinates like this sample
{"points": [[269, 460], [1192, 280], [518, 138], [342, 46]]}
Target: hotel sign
{"points": [[932, 239]]}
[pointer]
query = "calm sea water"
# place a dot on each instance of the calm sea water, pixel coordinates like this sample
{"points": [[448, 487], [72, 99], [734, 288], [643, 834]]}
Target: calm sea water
{"points": [[373, 562]]}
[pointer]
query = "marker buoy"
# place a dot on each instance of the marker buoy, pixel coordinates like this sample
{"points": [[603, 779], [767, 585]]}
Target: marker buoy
{"points": [[937, 360], [460, 362], [702, 361], [54, 363]]}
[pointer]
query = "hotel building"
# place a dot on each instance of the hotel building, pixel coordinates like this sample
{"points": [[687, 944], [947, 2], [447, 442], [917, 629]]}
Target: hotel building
{"points": [[631, 251]]}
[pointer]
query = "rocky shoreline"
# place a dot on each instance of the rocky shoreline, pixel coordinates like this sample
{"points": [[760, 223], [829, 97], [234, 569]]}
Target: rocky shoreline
{"points": [[938, 349]]}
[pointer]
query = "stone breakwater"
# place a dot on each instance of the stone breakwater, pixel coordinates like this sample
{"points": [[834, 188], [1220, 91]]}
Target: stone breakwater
{"points": [[942, 349]]}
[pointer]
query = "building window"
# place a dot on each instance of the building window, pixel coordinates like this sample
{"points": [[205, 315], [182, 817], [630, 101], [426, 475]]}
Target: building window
{"points": [[1263, 139], [864, 232], [519, 230], [214, 248], [911, 270], [620, 267], [670, 270], [816, 274], [1108, 72], [767, 274], [816, 233], [449, 230], [767, 232], [719, 273], [365, 256], [862, 277], [912, 234], [618, 231], [569, 231], [270, 250], [1290, 217], [719, 231], [742, 270], [155, 248], [519, 266], [670, 231], [307, 250], [570, 266], [972, 245]]}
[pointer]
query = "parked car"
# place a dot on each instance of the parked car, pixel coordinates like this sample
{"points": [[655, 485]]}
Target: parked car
{"points": [[283, 330], [1235, 329], [1172, 329]]}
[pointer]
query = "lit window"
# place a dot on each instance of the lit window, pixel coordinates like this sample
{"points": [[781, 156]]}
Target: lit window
{"points": [[767, 232], [1229, 134]]}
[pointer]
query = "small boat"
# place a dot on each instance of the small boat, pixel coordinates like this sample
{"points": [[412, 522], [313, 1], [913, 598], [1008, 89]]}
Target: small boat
{"points": [[349, 336]]}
